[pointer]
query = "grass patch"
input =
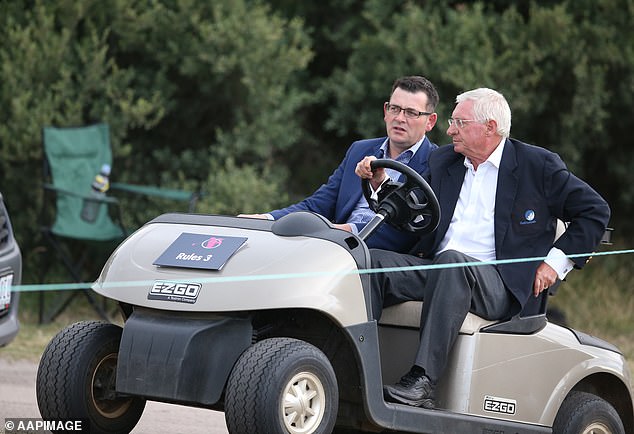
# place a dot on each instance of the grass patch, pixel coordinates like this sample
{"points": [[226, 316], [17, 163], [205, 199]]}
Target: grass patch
{"points": [[599, 300], [33, 337]]}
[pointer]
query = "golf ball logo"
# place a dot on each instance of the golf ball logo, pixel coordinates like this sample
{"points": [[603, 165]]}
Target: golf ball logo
{"points": [[211, 243]]}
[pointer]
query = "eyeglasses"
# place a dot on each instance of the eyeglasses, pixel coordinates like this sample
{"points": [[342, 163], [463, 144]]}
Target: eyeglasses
{"points": [[459, 123], [410, 113]]}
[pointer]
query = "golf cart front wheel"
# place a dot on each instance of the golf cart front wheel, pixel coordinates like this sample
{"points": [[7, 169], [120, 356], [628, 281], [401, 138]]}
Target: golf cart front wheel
{"points": [[281, 386], [585, 413], [76, 379]]}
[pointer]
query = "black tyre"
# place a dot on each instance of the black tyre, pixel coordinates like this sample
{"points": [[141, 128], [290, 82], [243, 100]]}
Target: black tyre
{"points": [[281, 386], [585, 413], [76, 379]]}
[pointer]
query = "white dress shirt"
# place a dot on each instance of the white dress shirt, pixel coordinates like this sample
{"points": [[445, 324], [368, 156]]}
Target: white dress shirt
{"points": [[472, 227]]}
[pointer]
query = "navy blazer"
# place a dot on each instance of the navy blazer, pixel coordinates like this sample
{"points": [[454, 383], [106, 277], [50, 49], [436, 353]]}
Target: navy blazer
{"points": [[534, 189], [336, 199]]}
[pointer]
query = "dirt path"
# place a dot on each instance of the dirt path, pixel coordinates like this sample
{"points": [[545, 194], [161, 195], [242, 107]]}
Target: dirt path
{"points": [[17, 400]]}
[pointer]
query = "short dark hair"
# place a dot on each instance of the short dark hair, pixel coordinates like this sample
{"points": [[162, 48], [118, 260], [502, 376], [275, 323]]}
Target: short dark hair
{"points": [[416, 83]]}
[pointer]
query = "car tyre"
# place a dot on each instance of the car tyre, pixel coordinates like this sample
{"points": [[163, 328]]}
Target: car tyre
{"points": [[284, 386], [585, 413], [76, 379]]}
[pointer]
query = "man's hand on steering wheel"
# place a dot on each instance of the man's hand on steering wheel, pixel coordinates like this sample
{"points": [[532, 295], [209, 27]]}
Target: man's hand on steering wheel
{"points": [[364, 171], [410, 205]]}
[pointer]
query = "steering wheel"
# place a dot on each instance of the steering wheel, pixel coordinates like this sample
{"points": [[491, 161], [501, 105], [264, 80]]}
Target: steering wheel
{"points": [[410, 206]]}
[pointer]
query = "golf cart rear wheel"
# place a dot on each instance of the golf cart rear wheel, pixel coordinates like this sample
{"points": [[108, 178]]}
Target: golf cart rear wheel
{"points": [[76, 379], [585, 413], [280, 386]]}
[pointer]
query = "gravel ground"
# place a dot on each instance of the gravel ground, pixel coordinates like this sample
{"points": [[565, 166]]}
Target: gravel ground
{"points": [[17, 400]]}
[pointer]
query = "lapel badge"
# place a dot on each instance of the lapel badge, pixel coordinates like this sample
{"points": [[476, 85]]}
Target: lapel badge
{"points": [[529, 217]]}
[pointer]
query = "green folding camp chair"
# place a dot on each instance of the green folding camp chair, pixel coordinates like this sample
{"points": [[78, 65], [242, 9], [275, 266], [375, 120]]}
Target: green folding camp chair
{"points": [[73, 157]]}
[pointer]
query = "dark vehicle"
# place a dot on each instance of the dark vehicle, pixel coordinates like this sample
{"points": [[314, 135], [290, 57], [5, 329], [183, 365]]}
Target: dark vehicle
{"points": [[10, 276]]}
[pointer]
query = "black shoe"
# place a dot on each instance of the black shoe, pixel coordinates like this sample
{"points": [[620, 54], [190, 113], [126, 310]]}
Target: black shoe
{"points": [[414, 390]]}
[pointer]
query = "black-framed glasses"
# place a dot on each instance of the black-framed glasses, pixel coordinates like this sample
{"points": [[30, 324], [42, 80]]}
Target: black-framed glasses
{"points": [[459, 123], [410, 113]]}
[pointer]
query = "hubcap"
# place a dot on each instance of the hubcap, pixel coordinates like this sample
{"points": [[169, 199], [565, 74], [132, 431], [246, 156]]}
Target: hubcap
{"points": [[597, 428], [303, 403], [104, 396]]}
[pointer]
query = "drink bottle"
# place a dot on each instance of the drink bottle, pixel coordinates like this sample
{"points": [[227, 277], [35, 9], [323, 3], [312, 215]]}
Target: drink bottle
{"points": [[98, 190]]}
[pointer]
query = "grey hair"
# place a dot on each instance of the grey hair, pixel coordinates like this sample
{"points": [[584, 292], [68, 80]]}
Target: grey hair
{"points": [[489, 105]]}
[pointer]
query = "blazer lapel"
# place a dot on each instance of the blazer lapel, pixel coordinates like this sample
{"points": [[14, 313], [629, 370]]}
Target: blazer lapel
{"points": [[505, 194], [448, 192], [420, 158]]}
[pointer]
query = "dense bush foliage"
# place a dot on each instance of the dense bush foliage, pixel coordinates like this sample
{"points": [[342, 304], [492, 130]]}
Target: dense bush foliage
{"points": [[254, 102]]}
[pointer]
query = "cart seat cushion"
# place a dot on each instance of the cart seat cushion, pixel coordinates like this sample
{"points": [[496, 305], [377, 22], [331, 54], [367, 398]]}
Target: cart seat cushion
{"points": [[408, 315]]}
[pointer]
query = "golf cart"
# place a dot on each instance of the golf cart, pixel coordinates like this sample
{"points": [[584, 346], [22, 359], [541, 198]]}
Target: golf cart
{"points": [[270, 322]]}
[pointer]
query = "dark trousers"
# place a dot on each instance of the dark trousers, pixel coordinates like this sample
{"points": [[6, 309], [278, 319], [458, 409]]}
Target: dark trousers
{"points": [[448, 294]]}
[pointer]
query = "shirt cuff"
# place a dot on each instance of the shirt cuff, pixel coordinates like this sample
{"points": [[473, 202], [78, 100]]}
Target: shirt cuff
{"points": [[269, 216], [558, 260], [375, 193]]}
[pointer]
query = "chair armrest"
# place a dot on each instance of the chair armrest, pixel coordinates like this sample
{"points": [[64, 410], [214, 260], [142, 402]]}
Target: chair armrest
{"points": [[57, 190], [154, 191]]}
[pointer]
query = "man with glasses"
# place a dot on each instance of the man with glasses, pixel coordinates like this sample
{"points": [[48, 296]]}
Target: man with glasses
{"points": [[499, 199], [408, 115]]}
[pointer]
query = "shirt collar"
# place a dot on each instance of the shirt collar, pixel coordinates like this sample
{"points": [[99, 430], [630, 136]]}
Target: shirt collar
{"points": [[413, 149], [495, 158]]}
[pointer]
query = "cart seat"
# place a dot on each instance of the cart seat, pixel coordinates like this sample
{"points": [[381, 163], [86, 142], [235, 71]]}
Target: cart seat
{"points": [[407, 314]]}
